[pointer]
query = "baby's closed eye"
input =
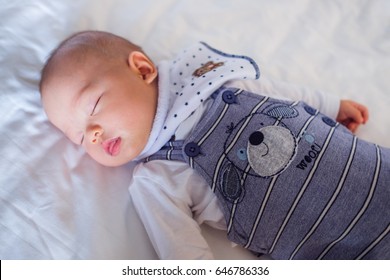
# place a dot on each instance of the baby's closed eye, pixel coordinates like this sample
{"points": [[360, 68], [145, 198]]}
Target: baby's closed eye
{"points": [[95, 106]]}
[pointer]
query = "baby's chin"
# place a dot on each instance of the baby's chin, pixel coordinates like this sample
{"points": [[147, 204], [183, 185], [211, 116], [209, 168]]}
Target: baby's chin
{"points": [[111, 161]]}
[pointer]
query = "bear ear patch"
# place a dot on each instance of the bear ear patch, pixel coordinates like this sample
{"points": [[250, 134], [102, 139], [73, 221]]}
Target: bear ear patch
{"points": [[281, 111], [231, 183], [270, 150]]}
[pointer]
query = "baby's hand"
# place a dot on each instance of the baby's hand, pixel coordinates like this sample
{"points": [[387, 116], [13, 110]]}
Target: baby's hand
{"points": [[352, 114]]}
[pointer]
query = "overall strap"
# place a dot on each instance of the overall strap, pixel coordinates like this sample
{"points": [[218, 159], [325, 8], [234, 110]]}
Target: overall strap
{"points": [[173, 149], [170, 151]]}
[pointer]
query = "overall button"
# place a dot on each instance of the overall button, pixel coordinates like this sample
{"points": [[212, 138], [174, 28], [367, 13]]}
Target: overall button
{"points": [[229, 97], [310, 110], [329, 121], [192, 149]]}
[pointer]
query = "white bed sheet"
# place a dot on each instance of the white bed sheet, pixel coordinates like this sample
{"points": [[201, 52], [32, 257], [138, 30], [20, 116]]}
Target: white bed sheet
{"points": [[56, 203]]}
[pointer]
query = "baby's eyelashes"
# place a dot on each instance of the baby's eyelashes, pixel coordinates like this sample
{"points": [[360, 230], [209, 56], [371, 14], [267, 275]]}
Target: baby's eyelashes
{"points": [[96, 104]]}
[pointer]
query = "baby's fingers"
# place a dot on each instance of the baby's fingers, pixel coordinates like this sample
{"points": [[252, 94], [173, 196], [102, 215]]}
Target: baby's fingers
{"points": [[363, 111]]}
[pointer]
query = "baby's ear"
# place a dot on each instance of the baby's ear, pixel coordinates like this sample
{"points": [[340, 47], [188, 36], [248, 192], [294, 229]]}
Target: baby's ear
{"points": [[142, 66]]}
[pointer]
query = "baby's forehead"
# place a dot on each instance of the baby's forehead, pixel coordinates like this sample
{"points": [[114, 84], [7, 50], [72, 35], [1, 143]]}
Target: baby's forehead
{"points": [[77, 65], [78, 55]]}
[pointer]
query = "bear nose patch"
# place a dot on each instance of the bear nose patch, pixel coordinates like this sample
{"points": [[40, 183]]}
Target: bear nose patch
{"points": [[256, 138]]}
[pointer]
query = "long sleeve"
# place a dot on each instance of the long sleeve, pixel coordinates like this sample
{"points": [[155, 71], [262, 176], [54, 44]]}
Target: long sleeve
{"points": [[327, 103], [172, 201]]}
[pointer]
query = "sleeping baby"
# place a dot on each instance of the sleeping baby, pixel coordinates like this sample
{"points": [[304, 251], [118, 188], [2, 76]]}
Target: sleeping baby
{"points": [[274, 165]]}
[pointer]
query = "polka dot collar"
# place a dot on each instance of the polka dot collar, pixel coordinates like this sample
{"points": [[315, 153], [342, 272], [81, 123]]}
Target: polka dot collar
{"points": [[187, 81]]}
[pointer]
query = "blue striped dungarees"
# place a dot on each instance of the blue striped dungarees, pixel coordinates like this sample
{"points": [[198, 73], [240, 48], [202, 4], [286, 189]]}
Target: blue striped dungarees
{"points": [[291, 182]]}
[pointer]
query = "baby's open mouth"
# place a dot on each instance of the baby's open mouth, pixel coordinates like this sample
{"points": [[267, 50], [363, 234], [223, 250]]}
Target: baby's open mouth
{"points": [[112, 146]]}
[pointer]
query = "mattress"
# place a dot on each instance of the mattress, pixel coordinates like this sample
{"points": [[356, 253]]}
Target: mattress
{"points": [[57, 203]]}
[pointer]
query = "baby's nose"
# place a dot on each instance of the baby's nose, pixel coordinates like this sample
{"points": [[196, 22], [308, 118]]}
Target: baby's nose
{"points": [[95, 134], [256, 138]]}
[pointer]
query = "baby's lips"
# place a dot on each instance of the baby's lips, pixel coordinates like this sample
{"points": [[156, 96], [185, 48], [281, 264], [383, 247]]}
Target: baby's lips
{"points": [[112, 146]]}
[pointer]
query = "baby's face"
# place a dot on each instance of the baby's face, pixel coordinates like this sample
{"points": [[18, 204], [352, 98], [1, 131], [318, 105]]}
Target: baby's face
{"points": [[107, 110]]}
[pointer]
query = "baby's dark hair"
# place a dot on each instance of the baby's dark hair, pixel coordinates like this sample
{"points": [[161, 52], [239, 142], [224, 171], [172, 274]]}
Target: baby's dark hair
{"points": [[81, 44]]}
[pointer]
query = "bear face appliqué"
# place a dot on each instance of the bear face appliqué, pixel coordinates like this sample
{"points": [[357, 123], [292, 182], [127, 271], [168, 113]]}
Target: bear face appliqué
{"points": [[267, 147], [270, 150]]}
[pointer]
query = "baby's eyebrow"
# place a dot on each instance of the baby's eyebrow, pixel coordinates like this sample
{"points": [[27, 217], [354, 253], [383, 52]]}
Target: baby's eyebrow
{"points": [[84, 88], [81, 95]]}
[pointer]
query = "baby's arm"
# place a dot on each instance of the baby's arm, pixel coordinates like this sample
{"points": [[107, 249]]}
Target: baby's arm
{"points": [[328, 104], [166, 208], [352, 114], [347, 112]]}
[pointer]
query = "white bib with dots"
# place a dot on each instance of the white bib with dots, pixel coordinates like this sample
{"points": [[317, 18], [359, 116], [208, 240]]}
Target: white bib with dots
{"points": [[187, 81]]}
